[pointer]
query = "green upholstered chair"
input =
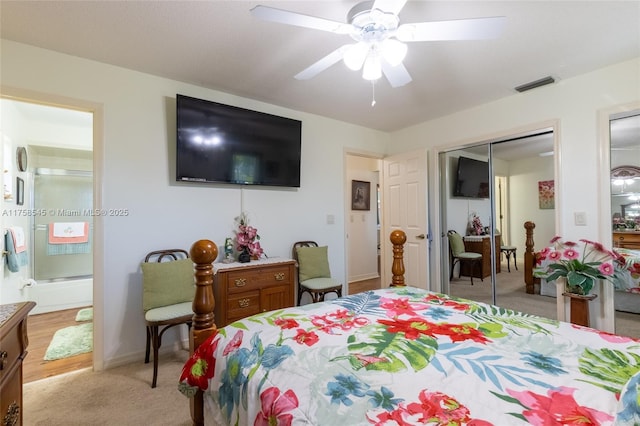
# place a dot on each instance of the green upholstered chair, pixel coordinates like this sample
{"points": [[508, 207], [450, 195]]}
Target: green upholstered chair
{"points": [[168, 292], [314, 275], [458, 254]]}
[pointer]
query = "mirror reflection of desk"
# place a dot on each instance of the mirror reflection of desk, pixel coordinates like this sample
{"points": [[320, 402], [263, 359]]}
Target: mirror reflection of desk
{"points": [[626, 239], [481, 244]]}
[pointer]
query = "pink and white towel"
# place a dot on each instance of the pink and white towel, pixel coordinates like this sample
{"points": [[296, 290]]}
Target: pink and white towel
{"points": [[19, 241], [68, 232]]}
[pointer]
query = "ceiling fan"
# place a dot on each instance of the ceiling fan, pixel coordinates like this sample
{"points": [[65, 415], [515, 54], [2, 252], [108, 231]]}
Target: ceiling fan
{"points": [[379, 46]]}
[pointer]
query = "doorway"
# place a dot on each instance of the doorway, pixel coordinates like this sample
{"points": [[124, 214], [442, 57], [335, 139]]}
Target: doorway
{"points": [[56, 144], [362, 225]]}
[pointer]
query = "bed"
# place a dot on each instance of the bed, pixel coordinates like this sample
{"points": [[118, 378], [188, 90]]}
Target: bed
{"points": [[627, 294], [404, 356]]}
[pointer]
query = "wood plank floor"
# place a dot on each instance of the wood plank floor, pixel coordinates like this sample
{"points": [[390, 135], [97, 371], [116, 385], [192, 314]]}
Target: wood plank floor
{"points": [[365, 285], [40, 331]]}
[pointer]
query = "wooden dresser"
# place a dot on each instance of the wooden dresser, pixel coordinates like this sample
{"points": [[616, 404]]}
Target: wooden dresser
{"points": [[243, 289], [482, 244], [627, 239], [13, 350]]}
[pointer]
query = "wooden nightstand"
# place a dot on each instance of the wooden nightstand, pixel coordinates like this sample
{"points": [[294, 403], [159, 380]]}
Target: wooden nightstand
{"points": [[244, 289], [13, 350]]}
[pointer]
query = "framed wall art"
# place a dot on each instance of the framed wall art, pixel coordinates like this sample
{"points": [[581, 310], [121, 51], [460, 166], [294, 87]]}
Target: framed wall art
{"points": [[546, 194], [19, 191], [360, 195]]}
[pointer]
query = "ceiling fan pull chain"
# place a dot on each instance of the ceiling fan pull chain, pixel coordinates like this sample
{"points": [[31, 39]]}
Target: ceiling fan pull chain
{"points": [[373, 93]]}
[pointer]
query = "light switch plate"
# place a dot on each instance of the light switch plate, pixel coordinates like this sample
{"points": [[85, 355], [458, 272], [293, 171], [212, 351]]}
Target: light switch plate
{"points": [[580, 218]]}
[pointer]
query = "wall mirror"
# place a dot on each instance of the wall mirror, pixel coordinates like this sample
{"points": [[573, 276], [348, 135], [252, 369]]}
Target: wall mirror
{"points": [[625, 171]]}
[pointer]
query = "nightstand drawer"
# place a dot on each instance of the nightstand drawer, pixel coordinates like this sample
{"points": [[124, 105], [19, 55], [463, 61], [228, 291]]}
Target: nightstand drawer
{"points": [[241, 281], [243, 305], [10, 350]]}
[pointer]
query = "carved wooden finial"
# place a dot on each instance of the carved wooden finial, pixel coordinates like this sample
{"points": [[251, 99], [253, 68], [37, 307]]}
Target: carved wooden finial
{"points": [[203, 253], [398, 238]]}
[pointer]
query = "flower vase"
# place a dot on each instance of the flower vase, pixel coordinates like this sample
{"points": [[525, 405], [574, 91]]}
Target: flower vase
{"points": [[244, 257]]}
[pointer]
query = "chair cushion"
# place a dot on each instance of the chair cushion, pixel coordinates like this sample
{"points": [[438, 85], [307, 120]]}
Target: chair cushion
{"points": [[320, 283], [456, 243], [165, 313], [167, 283], [469, 255], [313, 262]]}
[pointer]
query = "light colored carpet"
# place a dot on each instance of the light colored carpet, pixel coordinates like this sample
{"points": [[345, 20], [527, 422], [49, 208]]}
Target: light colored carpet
{"points": [[511, 294], [119, 396], [85, 314], [70, 341]]}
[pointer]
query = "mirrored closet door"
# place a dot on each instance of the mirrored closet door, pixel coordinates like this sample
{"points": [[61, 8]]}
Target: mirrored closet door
{"points": [[488, 192]]}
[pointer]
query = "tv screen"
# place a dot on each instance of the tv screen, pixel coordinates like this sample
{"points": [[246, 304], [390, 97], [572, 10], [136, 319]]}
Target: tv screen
{"points": [[218, 143], [472, 178]]}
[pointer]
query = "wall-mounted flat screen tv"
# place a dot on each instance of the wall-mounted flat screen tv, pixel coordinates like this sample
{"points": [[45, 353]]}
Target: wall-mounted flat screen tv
{"points": [[218, 143], [472, 178]]}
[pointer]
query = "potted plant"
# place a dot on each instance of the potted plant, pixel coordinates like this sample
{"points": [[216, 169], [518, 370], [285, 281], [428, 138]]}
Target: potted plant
{"points": [[580, 266]]}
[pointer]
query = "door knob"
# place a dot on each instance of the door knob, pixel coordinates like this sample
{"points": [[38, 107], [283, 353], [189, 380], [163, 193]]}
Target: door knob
{"points": [[421, 236]]}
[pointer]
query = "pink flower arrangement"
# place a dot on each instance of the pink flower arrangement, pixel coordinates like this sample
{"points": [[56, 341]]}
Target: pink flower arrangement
{"points": [[581, 270], [247, 238]]}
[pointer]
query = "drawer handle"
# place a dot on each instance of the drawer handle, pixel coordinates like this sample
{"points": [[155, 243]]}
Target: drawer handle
{"points": [[243, 303], [241, 282], [279, 276], [3, 359]]}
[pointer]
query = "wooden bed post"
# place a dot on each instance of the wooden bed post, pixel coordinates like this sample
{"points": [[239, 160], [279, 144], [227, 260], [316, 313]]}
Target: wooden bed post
{"points": [[529, 258], [398, 238], [203, 253]]}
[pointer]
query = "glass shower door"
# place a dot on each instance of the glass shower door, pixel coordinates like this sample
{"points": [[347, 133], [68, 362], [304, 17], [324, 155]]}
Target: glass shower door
{"points": [[67, 198]]}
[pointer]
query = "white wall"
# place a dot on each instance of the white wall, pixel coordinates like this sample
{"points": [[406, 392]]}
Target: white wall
{"points": [[134, 156]]}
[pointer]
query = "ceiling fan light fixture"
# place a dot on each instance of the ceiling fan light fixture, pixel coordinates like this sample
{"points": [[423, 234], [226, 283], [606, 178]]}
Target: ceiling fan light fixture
{"points": [[355, 55], [393, 51], [372, 69]]}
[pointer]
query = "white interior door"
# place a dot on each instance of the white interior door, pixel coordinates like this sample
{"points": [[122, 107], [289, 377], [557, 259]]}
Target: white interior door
{"points": [[405, 207]]}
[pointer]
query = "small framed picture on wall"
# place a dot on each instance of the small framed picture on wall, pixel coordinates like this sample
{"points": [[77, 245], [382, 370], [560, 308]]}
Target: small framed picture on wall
{"points": [[19, 191], [360, 195]]}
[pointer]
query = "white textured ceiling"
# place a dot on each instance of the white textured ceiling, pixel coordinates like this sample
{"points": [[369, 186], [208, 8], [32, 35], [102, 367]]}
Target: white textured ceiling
{"points": [[219, 45]]}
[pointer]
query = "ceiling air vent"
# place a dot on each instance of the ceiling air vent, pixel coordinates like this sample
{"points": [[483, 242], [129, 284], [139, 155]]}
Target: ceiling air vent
{"points": [[542, 82]]}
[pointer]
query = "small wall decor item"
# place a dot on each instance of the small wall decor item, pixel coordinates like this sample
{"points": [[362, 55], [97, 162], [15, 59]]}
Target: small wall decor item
{"points": [[21, 158], [360, 195], [546, 194], [19, 191]]}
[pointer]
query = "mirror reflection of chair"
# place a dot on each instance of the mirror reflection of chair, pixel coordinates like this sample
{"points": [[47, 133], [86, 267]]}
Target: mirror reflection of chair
{"points": [[458, 254], [168, 291], [508, 251], [314, 275]]}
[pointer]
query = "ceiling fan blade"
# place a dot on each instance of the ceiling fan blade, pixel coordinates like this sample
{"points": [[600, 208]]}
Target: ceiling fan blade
{"points": [[324, 63], [389, 6], [306, 21], [397, 75], [462, 29]]}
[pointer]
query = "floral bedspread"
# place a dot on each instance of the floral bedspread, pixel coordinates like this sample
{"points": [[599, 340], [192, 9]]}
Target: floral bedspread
{"points": [[405, 356]]}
